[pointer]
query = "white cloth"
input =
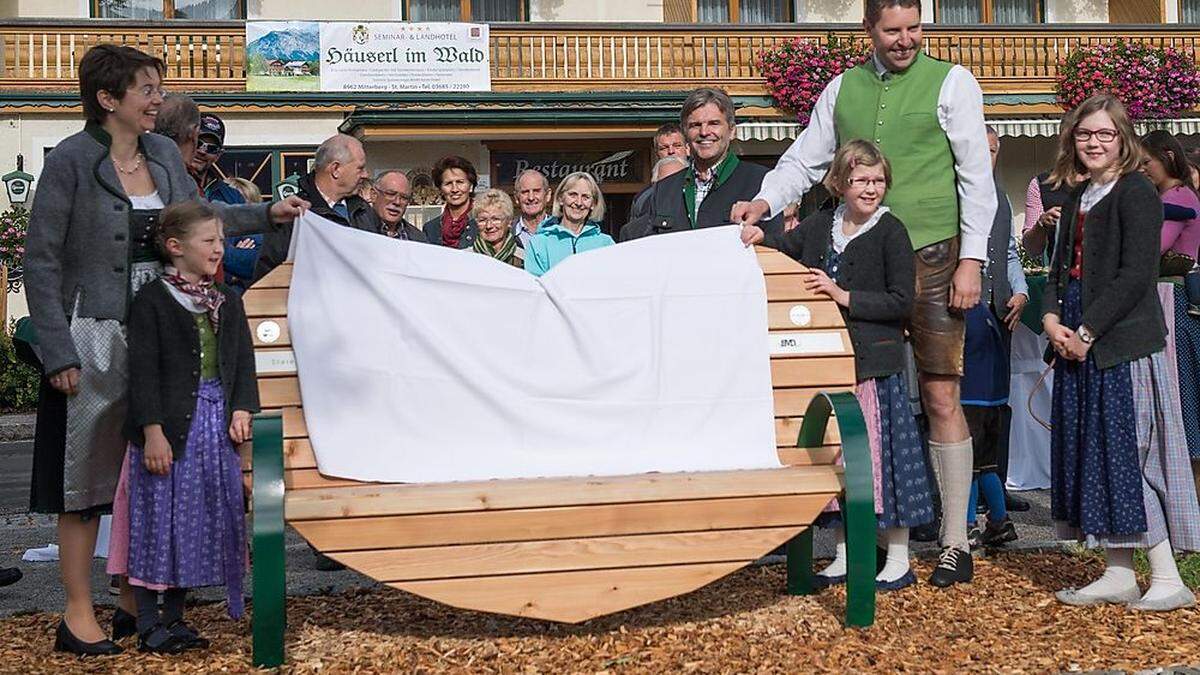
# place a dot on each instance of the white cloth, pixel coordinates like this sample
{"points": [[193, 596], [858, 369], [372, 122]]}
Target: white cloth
{"points": [[146, 202], [1029, 441], [1093, 193], [647, 356], [960, 114]]}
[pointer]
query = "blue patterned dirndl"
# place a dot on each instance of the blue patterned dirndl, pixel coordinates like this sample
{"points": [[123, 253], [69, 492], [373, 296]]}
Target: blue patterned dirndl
{"points": [[1096, 479], [1187, 354]]}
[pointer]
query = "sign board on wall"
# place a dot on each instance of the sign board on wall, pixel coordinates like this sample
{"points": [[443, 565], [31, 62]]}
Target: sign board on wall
{"points": [[616, 166], [367, 56]]}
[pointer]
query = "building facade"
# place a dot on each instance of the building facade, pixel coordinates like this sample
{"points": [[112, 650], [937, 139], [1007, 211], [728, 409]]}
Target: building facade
{"points": [[574, 82]]}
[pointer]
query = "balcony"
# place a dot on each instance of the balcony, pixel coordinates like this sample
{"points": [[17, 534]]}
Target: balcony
{"points": [[210, 56]]}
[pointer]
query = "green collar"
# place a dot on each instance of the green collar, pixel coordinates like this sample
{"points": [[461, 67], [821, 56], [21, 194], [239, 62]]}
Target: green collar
{"points": [[724, 170]]}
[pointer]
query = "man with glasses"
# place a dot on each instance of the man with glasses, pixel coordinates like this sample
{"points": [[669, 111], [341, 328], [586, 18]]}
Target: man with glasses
{"points": [[927, 117], [210, 145], [393, 194]]}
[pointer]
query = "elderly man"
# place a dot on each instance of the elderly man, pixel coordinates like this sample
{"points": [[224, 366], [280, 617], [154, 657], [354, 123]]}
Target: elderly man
{"points": [[179, 120], [703, 194], [393, 194], [339, 165], [533, 199], [669, 142], [927, 116], [667, 166]]}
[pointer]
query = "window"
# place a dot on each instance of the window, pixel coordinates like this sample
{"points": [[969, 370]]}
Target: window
{"points": [[964, 12], [169, 9], [743, 11], [1189, 11], [465, 10]]}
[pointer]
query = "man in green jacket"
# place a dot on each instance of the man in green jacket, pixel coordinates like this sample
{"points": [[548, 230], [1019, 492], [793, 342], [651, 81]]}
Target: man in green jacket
{"points": [[927, 117]]}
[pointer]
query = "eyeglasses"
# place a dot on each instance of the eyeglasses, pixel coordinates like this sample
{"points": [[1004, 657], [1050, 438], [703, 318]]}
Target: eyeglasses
{"points": [[149, 90], [393, 195], [863, 183], [497, 220], [1102, 135], [209, 148]]}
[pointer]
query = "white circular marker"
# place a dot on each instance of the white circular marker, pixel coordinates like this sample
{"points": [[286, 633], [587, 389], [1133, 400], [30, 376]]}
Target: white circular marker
{"points": [[268, 332], [800, 315]]}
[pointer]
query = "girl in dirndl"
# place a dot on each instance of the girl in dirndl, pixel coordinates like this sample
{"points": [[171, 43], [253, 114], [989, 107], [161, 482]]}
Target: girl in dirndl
{"points": [[1120, 476], [860, 255], [192, 394]]}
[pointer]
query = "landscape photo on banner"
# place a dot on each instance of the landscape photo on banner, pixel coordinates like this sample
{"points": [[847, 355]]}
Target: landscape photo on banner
{"points": [[367, 56]]}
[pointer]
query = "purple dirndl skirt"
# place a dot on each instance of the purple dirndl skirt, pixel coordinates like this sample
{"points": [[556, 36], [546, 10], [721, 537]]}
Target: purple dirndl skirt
{"points": [[187, 528]]}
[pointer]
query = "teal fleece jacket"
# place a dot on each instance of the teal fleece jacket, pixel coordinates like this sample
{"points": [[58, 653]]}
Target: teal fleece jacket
{"points": [[554, 243]]}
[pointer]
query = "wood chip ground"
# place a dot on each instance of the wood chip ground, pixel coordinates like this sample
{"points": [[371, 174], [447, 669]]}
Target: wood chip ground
{"points": [[1007, 621]]}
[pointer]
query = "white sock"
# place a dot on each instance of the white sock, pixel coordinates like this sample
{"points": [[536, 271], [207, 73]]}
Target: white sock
{"points": [[956, 461], [1164, 575], [837, 568], [1118, 574], [897, 555]]}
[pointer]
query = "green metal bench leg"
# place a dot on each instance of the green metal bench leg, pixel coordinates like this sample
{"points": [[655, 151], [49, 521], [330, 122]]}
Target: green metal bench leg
{"points": [[799, 564], [858, 507], [270, 616]]}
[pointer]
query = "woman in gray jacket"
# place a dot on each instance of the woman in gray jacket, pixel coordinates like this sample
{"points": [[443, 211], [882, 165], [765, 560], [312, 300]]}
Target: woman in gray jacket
{"points": [[89, 249]]}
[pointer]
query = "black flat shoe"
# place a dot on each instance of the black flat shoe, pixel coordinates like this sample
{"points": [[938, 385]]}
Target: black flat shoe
{"points": [[1017, 504], [998, 534], [65, 641], [10, 576], [954, 567], [124, 624], [927, 532], [159, 640], [189, 635]]}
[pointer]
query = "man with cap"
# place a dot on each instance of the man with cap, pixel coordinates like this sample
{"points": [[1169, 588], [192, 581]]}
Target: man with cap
{"points": [[210, 144]]}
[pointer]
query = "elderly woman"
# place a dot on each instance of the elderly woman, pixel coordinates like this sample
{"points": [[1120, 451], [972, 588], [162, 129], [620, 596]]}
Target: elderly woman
{"points": [[89, 249], [493, 213], [574, 227]]}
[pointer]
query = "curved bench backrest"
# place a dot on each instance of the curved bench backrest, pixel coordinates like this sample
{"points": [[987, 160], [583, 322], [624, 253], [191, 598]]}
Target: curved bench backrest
{"points": [[570, 549]]}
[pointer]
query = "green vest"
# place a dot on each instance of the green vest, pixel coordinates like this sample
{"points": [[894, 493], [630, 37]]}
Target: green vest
{"points": [[905, 126]]}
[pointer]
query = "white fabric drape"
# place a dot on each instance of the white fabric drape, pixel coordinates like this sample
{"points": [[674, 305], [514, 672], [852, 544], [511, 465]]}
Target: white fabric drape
{"points": [[421, 363], [1029, 441]]}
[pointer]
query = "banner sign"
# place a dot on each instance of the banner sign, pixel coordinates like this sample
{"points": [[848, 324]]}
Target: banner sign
{"points": [[376, 56], [621, 166]]}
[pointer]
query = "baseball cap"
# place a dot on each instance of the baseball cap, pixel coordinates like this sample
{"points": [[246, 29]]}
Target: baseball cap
{"points": [[211, 125]]}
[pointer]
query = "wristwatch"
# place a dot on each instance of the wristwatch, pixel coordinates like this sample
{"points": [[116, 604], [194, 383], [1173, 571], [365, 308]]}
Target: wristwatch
{"points": [[1085, 335]]}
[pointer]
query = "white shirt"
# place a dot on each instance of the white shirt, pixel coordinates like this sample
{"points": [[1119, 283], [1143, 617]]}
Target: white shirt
{"points": [[960, 114], [1093, 193], [146, 202], [840, 239]]}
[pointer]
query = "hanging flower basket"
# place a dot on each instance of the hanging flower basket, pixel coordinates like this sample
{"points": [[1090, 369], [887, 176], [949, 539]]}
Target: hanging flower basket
{"points": [[1153, 82], [797, 71]]}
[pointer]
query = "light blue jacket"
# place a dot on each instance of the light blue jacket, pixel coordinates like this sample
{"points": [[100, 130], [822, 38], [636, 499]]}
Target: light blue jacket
{"points": [[554, 243]]}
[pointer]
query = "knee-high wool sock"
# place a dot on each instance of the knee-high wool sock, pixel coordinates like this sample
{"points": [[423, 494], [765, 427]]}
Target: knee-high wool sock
{"points": [[1164, 573], [1118, 574], [172, 610], [993, 496], [955, 461]]}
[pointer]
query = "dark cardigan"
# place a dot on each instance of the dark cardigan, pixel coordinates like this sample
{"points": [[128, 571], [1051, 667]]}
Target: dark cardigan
{"points": [[1120, 270], [877, 269], [164, 364]]}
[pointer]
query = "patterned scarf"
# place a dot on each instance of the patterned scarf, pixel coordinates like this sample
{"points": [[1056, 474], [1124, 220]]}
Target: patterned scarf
{"points": [[453, 228], [203, 295], [504, 252]]}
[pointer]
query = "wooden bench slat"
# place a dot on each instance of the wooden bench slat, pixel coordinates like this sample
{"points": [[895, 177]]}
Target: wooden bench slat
{"points": [[347, 533], [281, 277], [821, 372], [442, 562], [820, 313], [284, 339], [570, 596], [265, 302], [279, 392], [379, 499], [774, 262], [790, 286]]}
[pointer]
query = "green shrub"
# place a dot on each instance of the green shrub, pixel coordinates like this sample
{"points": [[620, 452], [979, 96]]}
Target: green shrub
{"points": [[18, 382]]}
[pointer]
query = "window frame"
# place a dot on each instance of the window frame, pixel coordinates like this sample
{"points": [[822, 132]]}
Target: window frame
{"points": [[735, 12], [168, 11], [464, 13], [1179, 15], [987, 12]]}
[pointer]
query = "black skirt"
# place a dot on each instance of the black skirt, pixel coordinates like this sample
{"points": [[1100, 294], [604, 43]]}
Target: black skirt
{"points": [[49, 456]]}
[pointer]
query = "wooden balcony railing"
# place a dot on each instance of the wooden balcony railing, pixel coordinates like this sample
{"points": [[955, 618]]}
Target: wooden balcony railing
{"points": [[210, 56]]}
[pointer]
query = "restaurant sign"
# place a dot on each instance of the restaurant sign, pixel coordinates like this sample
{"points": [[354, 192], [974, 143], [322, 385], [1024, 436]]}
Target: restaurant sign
{"points": [[616, 166]]}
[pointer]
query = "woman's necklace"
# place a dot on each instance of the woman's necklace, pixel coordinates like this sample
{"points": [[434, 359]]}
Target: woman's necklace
{"points": [[137, 164]]}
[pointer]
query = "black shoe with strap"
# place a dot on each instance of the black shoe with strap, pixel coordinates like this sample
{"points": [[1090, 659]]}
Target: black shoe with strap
{"points": [[998, 534], [954, 567], [189, 635], [1014, 503], [160, 640], [65, 641], [124, 624]]}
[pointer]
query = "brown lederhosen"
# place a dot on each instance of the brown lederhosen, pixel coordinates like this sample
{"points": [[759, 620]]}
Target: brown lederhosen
{"points": [[937, 332]]}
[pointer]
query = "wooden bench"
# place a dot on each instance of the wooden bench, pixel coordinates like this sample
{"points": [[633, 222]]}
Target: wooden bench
{"points": [[570, 549]]}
